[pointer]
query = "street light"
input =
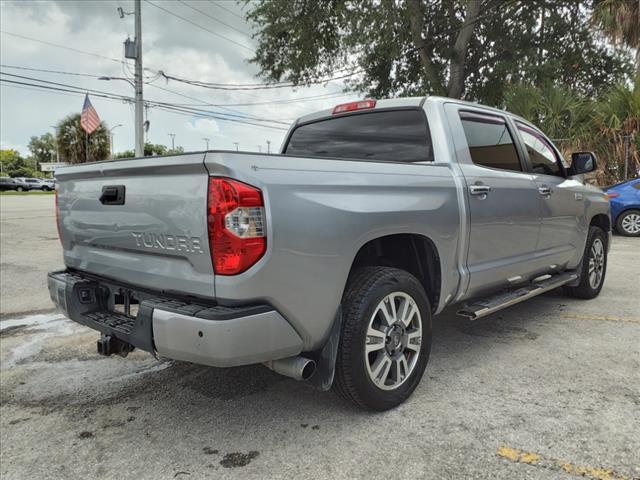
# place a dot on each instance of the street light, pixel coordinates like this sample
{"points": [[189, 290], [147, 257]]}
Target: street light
{"points": [[111, 134], [55, 139], [173, 140], [237, 145], [117, 78], [137, 86], [206, 141]]}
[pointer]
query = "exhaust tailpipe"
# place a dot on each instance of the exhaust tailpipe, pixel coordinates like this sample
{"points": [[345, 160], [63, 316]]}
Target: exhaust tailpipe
{"points": [[298, 368]]}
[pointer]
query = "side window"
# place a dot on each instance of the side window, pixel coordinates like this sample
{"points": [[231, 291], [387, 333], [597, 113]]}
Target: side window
{"points": [[543, 157], [489, 140]]}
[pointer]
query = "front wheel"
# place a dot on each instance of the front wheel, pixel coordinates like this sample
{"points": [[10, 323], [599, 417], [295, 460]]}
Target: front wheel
{"points": [[628, 223], [20, 189], [386, 338], [594, 266]]}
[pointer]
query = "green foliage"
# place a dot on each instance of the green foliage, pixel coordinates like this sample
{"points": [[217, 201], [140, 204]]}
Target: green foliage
{"points": [[583, 123], [72, 141], [620, 21], [13, 165], [412, 47], [43, 148], [150, 149]]}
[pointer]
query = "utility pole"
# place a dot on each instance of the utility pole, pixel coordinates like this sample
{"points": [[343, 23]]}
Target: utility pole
{"points": [[268, 146], [138, 81], [173, 140], [236, 144], [206, 141]]}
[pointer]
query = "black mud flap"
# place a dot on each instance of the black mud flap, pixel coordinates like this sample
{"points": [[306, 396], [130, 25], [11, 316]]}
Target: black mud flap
{"points": [[322, 379]]}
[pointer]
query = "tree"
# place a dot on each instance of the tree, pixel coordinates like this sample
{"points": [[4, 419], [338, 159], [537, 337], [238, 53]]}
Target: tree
{"points": [[43, 148], [460, 48], [151, 149], [620, 20], [72, 141], [14, 165], [607, 125]]}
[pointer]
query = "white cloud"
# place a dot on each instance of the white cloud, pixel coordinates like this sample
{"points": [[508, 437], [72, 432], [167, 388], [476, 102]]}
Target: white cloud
{"points": [[205, 126]]}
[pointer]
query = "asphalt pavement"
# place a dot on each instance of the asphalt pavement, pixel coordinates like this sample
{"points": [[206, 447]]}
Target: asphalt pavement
{"points": [[547, 389]]}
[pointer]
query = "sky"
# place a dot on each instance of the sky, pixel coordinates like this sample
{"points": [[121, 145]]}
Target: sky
{"points": [[198, 46]]}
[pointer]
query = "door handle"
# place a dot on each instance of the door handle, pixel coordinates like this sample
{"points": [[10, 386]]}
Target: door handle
{"points": [[112, 195], [544, 191], [479, 189]]}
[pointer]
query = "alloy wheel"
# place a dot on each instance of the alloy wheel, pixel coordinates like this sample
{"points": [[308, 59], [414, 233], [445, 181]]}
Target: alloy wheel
{"points": [[596, 263], [394, 337]]}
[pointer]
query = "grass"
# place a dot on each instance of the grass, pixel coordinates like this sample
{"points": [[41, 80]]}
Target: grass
{"points": [[31, 192]]}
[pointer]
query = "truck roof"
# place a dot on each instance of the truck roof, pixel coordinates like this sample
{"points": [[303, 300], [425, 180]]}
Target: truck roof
{"points": [[400, 102]]}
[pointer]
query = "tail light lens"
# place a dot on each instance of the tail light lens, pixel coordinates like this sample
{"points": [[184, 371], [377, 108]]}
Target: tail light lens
{"points": [[236, 221]]}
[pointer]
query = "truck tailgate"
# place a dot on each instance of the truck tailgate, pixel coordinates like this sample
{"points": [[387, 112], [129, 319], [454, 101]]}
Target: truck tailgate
{"points": [[148, 230]]}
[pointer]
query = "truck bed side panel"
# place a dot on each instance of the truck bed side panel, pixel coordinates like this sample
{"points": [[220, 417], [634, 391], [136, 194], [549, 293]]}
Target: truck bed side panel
{"points": [[319, 213]]}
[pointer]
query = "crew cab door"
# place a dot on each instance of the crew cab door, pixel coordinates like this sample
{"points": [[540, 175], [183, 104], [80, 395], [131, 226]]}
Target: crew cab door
{"points": [[563, 226], [502, 200]]}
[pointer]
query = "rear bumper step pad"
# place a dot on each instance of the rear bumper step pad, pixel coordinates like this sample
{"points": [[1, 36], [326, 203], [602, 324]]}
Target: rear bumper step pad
{"points": [[208, 334]]}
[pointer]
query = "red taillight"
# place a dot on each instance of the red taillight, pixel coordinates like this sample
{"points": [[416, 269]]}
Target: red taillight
{"points": [[236, 221], [58, 215], [353, 106], [612, 195]]}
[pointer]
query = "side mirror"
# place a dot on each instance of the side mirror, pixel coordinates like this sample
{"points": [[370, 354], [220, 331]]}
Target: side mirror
{"points": [[582, 162]]}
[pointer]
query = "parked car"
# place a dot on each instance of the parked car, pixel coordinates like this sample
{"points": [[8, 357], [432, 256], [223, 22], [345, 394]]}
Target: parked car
{"points": [[21, 185], [7, 183], [327, 262], [36, 183], [625, 207]]}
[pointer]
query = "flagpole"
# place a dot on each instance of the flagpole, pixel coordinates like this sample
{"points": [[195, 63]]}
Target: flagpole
{"points": [[86, 143]]}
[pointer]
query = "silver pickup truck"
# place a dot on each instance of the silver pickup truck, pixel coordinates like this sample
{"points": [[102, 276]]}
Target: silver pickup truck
{"points": [[327, 262]]}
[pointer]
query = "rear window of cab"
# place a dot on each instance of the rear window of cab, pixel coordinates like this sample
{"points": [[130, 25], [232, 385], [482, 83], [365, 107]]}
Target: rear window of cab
{"points": [[385, 135]]}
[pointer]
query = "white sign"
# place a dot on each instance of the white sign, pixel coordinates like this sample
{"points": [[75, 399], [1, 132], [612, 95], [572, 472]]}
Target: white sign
{"points": [[52, 166]]}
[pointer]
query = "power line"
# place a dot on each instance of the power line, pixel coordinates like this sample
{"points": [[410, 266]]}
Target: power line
{"points": [[156, 104], [58, 72], [250, 104], [213, 18], [199, 26], [216, 4], [218, 86], [167, 107], [201, 103]]}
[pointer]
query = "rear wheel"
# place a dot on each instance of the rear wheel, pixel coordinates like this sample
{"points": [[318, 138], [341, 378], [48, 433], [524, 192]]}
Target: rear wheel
{"points": [[386, 338], [628, 223], [594, 266]]}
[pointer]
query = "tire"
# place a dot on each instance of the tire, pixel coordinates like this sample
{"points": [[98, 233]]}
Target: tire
{"points": [[628, 223], [20, 189], [593, 267], [355, 377]]}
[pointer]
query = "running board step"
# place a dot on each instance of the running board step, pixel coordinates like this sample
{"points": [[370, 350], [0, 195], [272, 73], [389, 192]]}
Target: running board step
{"points": [[486, 306]]}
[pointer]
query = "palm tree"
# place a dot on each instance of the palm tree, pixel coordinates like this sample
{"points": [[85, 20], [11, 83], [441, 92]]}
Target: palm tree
{"points": [[73, 141], [620, 20]]}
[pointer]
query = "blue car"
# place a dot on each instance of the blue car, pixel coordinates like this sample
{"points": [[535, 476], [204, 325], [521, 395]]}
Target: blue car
{"points": [[625, 207]]}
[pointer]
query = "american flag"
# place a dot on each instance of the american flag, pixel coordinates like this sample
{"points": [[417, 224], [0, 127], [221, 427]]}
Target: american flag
{"points": [[89, 119]]}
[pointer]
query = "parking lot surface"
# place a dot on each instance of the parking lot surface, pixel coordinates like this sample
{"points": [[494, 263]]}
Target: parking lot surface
{"points": [[548, 389], [29, 247]]}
